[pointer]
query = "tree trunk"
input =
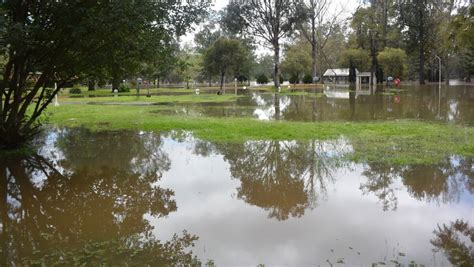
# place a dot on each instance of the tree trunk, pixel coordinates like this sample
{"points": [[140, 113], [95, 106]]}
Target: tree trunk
{"points": [[446, 69], [115, 83], [91, 85], [421, 46], [222, 79], [385, 23], [4, 214], [276, 63], [314, 50], [210, 80], [373, 67]]}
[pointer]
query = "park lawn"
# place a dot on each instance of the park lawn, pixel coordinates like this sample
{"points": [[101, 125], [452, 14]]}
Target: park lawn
{"points": [[133, 91], [191, 98], [395, 142]]}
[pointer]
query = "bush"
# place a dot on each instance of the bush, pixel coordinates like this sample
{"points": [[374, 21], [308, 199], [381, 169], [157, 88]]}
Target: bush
{"points": [[294, 79], [308, 79], [262, 79], [123, 88], [281, 79], [242, 78], [75, 90]]}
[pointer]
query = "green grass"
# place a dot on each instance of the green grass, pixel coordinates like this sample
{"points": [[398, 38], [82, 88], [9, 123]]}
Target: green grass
{"points": [[133, 91], [397, 142], [191, 98]]}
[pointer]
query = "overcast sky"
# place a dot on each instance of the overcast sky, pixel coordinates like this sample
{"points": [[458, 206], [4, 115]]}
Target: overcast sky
{"points": [[349, 7]]}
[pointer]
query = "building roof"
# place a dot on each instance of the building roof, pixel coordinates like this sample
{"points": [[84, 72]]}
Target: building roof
{"points": [[363, 74], [337, 72]]}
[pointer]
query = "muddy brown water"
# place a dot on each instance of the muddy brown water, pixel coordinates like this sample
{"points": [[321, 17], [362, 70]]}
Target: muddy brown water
{"points": [[95, 197], [453, 104]]}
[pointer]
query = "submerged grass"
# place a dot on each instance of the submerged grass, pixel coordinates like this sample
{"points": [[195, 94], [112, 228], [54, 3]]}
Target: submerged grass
{"points": [[396, 142]]}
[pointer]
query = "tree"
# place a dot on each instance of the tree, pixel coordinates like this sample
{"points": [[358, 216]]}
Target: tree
{"points": [[208, 33], [360, 59], [225, 56], [264, 65], [462, 34], [330, 53], [262, 79], [418, 17], [161, 63], [271, 20], [232, 20], [59, 42], [393, 61], [297, 60], [318, 19]]}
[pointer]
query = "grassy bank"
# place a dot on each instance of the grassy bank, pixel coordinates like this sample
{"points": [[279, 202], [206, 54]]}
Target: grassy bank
{"points": [[398, 142]]}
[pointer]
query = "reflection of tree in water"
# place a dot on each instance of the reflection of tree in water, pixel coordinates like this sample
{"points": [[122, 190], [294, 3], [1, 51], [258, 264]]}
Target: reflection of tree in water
{"points": [[380, 178], [443, 182], [139, 151], [87, 208], [456, 241], [284, 178]]}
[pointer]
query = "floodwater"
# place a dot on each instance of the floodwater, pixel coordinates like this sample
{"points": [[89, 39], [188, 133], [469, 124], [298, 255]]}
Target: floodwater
{"points": [[141, 198], [454, 104]]}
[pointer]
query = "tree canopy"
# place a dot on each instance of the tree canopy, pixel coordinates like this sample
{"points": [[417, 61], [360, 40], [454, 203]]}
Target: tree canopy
{"points": [[61, 42], [225, 56]]}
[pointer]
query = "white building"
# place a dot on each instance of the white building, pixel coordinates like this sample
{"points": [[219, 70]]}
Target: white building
{"points": [[342, 76]]}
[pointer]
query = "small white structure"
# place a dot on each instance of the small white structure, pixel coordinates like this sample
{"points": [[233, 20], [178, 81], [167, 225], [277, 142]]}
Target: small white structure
{"points": [[197, 91], [365, 77], [342, 76]]}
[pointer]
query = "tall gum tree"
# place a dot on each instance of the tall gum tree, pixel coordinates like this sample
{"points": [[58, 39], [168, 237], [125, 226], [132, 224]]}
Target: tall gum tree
{"points": [[418, 17], [318, 20], [271, 21]]}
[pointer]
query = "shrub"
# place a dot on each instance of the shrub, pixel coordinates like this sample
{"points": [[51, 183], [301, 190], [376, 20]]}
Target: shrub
{"points": [[262, 79], [242, 78], [123, 88], [281, 79], [294, 79], [308, 79], [75, 90]]}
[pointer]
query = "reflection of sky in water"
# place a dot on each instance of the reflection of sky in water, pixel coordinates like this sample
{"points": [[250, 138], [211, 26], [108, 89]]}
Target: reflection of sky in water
{"points": [[345, 224], [453, 110], [266, 111]]}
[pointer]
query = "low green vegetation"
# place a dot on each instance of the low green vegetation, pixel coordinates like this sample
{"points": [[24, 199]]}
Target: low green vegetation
{"points": [[396, 142], [132, 91], [191, 98]]}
